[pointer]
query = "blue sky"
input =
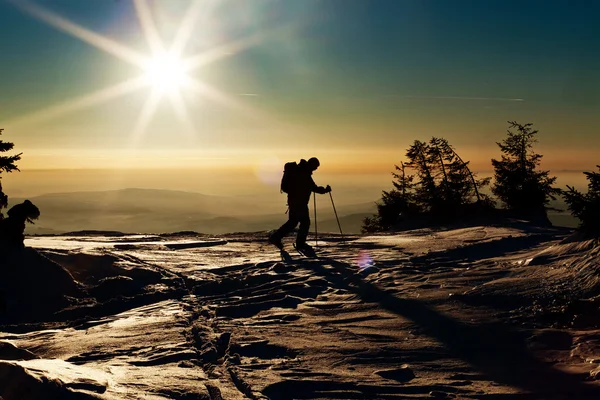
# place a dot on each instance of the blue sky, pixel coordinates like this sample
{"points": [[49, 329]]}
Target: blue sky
{"points": [[343, 75]]}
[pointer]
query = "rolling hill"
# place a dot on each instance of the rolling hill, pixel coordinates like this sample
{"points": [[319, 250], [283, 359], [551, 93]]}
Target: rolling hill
{"points": [[157, 211]]}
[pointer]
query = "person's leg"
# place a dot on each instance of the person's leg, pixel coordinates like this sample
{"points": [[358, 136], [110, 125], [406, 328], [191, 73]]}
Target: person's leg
{"points": [[285, 228], [304, 219]]}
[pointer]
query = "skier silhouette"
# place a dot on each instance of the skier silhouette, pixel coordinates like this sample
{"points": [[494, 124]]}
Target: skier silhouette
{"points": [[298, 183]]}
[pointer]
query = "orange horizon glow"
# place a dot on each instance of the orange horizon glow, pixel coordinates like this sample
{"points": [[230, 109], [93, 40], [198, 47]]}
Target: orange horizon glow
{"points": [[354, 131], [365, 161]]}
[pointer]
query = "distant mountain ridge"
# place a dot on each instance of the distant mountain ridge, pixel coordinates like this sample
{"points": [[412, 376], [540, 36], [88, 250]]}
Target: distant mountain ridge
{"points": [[163, 211], [159, 211]]}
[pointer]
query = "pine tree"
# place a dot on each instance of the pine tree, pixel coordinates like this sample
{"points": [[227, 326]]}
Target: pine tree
{"points": [[437, 156], [446, 184], [523, 189], [454, 185], [442, 188], [586, 207], [7, 164], [394, 205], [463, 184], [426, 191]]}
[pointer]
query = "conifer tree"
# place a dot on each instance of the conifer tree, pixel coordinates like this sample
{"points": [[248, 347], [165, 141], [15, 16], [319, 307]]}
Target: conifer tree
{"points": [[426, 190], [437, 156], [7, 164], [445, 182], [461, 184], [403, 182], [454, 186], [519, 184], [441, 187], [586, 207], [395, 204]]}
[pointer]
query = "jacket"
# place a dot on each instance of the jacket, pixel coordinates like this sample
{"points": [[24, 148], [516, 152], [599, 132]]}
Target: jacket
{"points": [[303, 186]]}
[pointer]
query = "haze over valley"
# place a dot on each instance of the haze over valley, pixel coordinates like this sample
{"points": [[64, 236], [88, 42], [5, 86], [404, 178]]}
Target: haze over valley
{"points": [[210, 202]]}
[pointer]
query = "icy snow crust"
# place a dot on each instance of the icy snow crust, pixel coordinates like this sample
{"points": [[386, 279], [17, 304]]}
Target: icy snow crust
{"points": [[470, 313]]}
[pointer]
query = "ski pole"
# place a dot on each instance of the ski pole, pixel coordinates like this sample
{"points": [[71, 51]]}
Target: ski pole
{"points": [[336, 217], [315, 201]]}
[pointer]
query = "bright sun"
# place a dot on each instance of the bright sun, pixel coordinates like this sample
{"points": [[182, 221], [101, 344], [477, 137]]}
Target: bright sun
{"points": [[166, 73]]}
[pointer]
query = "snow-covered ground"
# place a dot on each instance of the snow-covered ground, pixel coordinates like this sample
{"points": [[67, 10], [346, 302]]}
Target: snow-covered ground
{"points": [[470, 313]]}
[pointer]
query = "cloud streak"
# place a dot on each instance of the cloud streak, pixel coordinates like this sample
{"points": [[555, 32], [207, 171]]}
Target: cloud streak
{"points": [[460, 98]]}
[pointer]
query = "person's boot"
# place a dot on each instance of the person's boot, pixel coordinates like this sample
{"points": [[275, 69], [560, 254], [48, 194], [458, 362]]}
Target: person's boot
{"points": [[275, 241], [304, 246], [305, 249]]}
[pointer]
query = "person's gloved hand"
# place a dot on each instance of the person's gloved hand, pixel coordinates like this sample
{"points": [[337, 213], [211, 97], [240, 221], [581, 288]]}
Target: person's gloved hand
{"points": [[327, 189]]}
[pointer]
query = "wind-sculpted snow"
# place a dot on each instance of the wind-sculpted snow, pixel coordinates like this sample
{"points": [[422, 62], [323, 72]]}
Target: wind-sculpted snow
{"points": [[469, 313], [141, 353]]}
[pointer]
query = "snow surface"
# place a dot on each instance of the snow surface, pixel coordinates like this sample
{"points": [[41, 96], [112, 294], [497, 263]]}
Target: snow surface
{"points": [[469, 313]]}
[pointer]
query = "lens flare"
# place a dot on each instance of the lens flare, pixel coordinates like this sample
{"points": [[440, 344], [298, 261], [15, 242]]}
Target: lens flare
{"points": [[364, 260], [269, 171]]}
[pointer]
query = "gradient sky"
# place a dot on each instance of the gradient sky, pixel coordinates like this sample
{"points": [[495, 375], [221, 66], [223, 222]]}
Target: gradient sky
{"points": [[351, 81]]}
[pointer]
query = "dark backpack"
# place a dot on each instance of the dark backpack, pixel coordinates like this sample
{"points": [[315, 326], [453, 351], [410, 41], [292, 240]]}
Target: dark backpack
{"points": [[290, 171]]}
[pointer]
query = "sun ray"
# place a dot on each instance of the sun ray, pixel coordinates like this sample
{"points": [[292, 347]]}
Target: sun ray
{"points": [[182, 112], [164, 69], [230, 48], [80, 103], [223, 51], [219, 97], [146, 21], [146, 115], [75, 30], [192, 15]]}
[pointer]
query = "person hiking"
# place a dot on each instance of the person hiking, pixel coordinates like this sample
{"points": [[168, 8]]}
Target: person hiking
{"points": [[298, 183]]}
